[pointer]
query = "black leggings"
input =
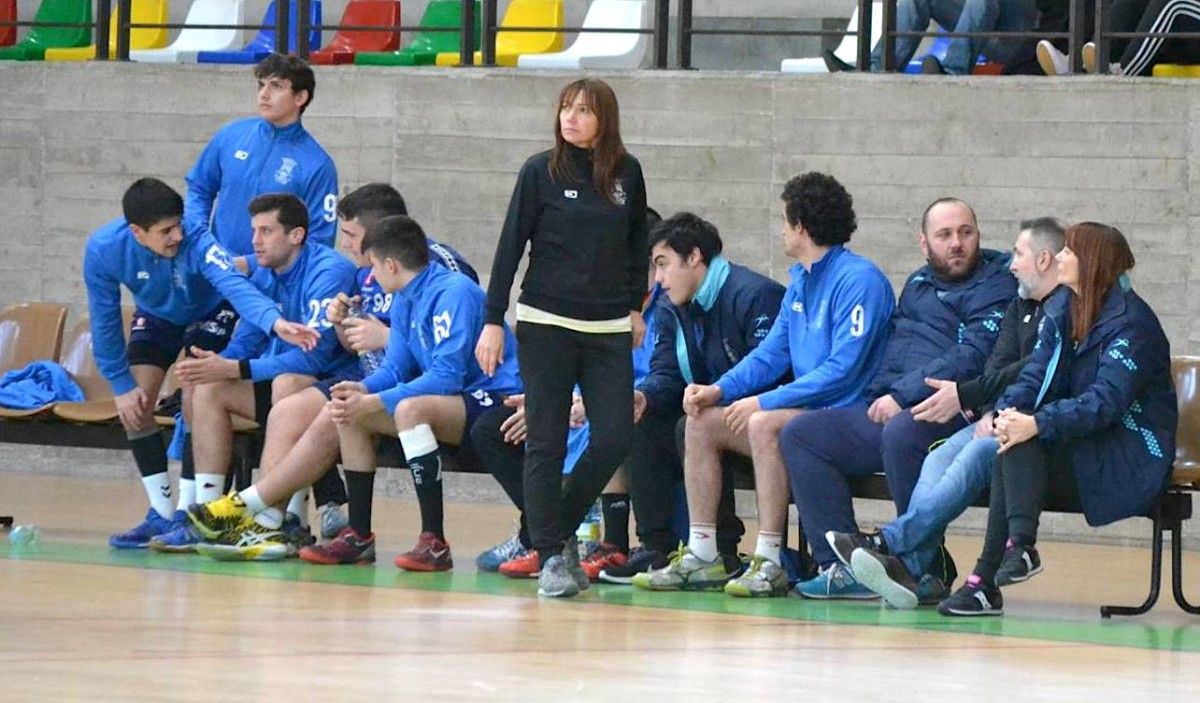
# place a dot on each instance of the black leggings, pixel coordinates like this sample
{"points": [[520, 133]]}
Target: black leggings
{"points": [[1138, 56], [553, 359], [504, 461], [1023, 478]]}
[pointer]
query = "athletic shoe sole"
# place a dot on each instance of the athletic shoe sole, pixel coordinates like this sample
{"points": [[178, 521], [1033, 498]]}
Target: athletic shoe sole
{"points": [[739, 591], [1021, 579], [970, 613], [172, 548], [411, 565], [317, 558], [227, 552], [619, 580], [872, 573]]}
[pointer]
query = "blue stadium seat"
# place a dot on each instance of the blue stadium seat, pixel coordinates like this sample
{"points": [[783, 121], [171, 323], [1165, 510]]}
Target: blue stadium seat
{"points": [[264, 42]]}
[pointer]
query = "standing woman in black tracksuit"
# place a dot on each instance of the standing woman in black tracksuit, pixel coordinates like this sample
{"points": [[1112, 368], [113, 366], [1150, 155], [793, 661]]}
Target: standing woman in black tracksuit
{"points": [[581, 206]]}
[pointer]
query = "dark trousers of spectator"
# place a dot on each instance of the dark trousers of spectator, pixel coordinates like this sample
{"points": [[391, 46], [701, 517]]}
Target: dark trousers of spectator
{"points": [[329, 488], [1053, 16], [553, 359], [823, 448], [503, 460], [655, 469], [1138, 56], [1024, 476]]}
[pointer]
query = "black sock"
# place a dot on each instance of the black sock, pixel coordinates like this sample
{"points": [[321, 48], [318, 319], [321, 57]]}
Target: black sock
{"points": [[150, 454], [427, 478], [189, 460], [523, 534], [616, 519], [360, 486]]}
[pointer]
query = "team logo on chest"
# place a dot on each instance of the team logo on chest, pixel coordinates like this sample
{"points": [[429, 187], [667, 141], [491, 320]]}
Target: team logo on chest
{"points": [[618, 194], [283, 175], [241, 154]]}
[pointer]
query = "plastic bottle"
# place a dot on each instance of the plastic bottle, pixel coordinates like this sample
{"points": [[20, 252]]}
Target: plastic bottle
{"points": [[24, 536], [371, 360], [589, 530]]}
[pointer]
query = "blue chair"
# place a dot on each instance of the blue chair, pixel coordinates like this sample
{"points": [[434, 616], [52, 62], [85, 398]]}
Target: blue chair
{"points": [[264, 42]]}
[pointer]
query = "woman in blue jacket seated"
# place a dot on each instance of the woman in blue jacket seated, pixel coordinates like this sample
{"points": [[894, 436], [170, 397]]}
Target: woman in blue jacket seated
{"points": [[1091, 420]]}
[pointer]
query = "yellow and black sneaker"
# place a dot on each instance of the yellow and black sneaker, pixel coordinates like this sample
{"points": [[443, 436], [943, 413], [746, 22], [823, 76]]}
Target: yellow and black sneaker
{"points": [[250, 541], [216, 517]]}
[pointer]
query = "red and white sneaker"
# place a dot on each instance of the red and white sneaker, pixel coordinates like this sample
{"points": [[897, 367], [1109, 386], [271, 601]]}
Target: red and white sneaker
{"points": [[346, 548], [604, 556], [522, 567], [431, 553]]}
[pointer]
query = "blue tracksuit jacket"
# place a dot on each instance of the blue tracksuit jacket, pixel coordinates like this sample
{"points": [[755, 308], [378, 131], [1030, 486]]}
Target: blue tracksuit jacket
{"points": [[830, 333], [431, 351], [249, 157], [180, 290], [1111, 398]]}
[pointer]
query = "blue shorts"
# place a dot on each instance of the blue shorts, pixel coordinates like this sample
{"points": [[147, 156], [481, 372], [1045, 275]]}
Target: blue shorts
{"points": [[157, 342], [476, 403], [326, 384]]}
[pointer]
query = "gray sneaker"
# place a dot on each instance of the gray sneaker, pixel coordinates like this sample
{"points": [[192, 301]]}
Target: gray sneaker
{"points": [[555, 581], [333, 520], [886, 575], [764, 579], [686, 572], [571, 556]]}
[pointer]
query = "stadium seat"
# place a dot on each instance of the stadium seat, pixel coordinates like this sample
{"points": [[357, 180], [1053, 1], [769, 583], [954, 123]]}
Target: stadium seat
{"points": [[142, 12], [34, 45], [192, 40], [8, 13], [1176, 70], [425, 46], [510, 45], [77, 359], [601, 50], [847, 49], [348, 42], [30, 332], [263, 43]]}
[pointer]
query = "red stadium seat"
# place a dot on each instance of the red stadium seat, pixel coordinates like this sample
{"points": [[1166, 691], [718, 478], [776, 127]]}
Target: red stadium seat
{"points": [[348, 42], [8, 13]]}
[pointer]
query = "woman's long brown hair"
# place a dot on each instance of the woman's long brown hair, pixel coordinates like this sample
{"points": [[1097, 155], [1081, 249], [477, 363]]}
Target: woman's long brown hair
{"points": [[1103, 255], [607, 148]]}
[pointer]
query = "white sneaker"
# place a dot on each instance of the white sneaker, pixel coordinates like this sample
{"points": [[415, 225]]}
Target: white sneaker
{"points": [[1052, 61], [1089, 57]]}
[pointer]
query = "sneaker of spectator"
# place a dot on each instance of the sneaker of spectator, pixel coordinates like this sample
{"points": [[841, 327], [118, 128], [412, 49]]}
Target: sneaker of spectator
{"points": [[1052, 61], [332, 519], [973, 598], [1019, 565], [431, 553], [603, 556], [491, 559], [524, 566], [640, 561], [836, 582]]}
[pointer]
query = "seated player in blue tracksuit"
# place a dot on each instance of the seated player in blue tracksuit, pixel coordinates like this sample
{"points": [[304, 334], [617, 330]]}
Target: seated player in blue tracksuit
{"points": [[829, 334], [429, 389], [271, 153], [297, 439], [253, 371], [944, 327], [1091, 420], [178, 279]]}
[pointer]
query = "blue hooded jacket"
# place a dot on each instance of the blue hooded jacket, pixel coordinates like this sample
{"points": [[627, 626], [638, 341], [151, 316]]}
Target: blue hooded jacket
{"points": [[1111, 399], [830, 334], [431, 347], [944, 330], [731, 314], [181, 290], [303, 291], [249, 157]]}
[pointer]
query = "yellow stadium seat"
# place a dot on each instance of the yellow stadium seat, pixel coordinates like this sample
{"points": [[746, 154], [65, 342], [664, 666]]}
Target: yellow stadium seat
{"points": [[510, 45], [1176, 70], [144, 12]]}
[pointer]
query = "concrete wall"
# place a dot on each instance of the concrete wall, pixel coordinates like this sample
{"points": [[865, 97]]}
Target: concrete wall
{"points": [[1115, 150]]}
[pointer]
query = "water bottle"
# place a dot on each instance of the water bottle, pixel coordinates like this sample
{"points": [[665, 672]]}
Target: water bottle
{"points": [[589, 530], [371, 360], [24, 536]]}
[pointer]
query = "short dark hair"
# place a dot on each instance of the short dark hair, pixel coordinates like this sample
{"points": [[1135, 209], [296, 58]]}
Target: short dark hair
{"points": [[1047, 231], [822, 206], [371, 203], [398, 237], [684, 232], [945, 201], [290, 210], [149, 201], [294, 69]]}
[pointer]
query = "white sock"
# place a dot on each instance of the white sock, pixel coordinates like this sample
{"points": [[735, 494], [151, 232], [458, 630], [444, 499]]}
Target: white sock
{"points": [[769, 546], [252, 500], [187, 493], [209, 487], [418, 441], [271, 518], [298, 506], [702, 541], [158, 490]]}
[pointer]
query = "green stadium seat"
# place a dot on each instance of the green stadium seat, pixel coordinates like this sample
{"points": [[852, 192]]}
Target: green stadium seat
{"points": [[33, 47], [425, 47]]}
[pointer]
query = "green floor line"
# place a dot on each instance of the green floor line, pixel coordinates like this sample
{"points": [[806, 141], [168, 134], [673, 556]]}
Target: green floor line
{"points": [[1116, 633]]}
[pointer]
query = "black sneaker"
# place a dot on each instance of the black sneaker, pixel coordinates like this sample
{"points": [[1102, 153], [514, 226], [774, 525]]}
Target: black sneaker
{"points": [[943, 567], [640, 561], [1020, 564], [931, 590], [931, 66], [886, 575], [843, 544], [973, 598], [835, 65]]}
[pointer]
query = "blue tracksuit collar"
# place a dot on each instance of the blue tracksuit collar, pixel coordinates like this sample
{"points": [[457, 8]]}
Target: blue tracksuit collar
{"points": [[412, 291], [292, 132], [989, 261], [289, 276], [798, 272], [710, 287]]}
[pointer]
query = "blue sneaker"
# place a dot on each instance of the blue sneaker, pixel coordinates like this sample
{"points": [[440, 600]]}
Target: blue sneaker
{"points": [[491, 559], [180, 540], [140, 536], [835, 583]]}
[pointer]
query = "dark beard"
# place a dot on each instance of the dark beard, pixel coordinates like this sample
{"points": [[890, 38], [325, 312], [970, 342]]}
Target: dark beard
{"points": [[942, 268]]}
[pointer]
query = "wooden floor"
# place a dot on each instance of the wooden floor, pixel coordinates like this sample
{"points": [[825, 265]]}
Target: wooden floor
{"points": [[80, 622]]}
